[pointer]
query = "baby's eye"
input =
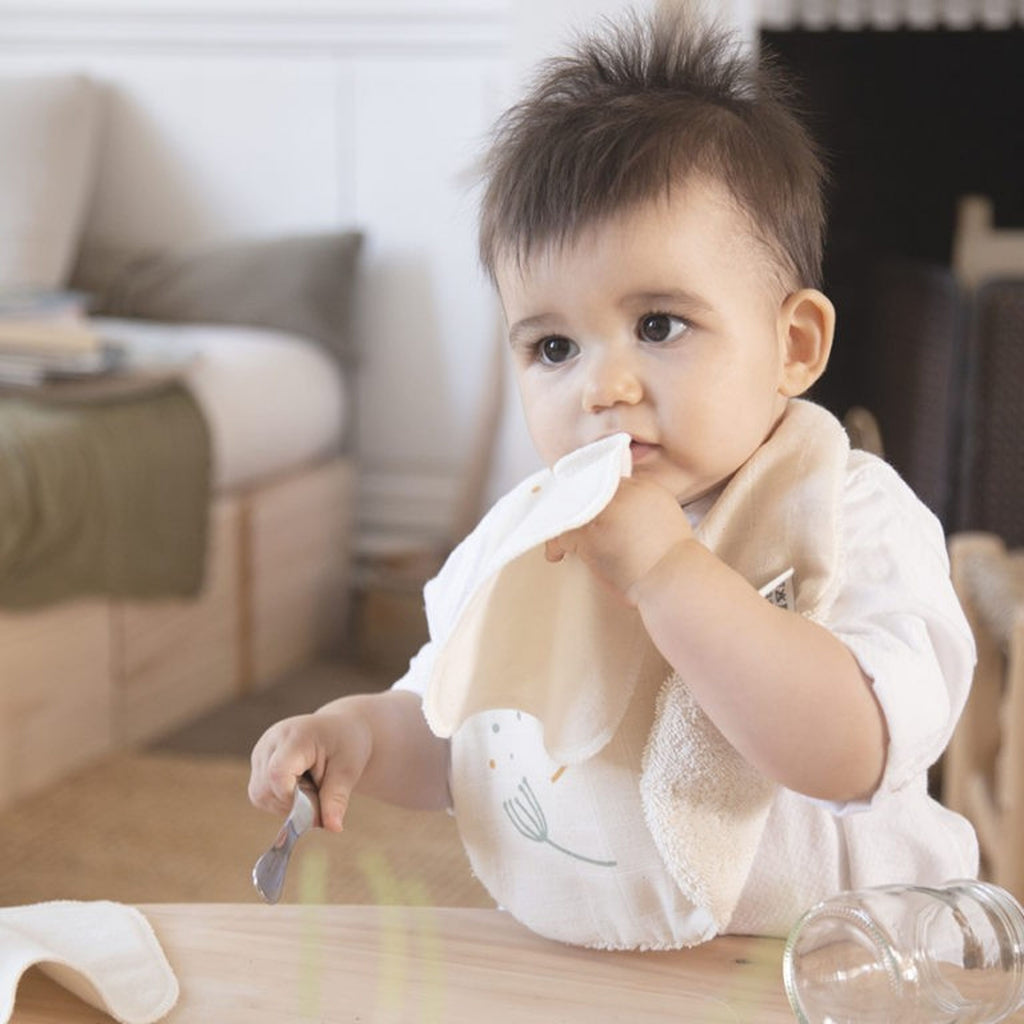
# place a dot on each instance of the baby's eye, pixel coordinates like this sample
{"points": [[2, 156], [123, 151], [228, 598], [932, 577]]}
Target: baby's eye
{"points": [[556, 349], [660, 327]]}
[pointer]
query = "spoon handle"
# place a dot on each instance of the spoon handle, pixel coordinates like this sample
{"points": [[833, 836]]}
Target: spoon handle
{"points": [[269, 871]]}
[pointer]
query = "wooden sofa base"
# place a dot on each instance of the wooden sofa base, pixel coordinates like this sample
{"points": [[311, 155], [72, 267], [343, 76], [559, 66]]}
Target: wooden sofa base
{"points": [[80, 679]]}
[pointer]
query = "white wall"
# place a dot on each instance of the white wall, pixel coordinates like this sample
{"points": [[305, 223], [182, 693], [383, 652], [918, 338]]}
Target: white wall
{"points": [[238, 118]]}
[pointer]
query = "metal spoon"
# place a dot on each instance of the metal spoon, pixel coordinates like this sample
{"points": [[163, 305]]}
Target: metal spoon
{"points": [[268, 872]]}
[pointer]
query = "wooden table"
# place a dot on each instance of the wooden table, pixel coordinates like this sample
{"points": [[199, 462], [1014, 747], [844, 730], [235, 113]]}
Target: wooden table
{"points": [[251, 964]]}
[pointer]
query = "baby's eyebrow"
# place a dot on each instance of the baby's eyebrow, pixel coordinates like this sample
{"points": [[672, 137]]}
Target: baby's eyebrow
{"points": [[673, 297], [531, 325]]}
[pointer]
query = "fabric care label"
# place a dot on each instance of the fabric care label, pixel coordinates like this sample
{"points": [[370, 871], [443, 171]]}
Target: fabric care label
{"points": [[779, 591]]}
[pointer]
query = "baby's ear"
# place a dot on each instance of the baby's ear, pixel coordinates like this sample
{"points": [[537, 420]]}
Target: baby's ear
{"points": [[806, 324]]}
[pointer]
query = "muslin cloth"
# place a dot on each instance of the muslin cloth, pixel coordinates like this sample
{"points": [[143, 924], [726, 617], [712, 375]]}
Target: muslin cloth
{"points": [[105, 953], [552, 640], [520, 627]]}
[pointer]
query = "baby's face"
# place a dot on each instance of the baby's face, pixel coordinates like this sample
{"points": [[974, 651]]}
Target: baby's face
{"points": [[662, 322]]}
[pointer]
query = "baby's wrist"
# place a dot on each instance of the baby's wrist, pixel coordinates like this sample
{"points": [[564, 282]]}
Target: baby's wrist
{"points": [[679, 561]]}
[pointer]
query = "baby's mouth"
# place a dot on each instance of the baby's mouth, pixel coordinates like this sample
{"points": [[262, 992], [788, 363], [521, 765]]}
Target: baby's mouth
{"points": [[641, 451]]}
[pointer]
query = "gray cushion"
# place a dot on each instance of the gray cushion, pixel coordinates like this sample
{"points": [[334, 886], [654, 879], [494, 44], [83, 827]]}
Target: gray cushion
{"points": [[301, 284]]}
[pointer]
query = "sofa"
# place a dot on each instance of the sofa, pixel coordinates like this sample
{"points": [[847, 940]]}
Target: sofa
{"points": [[263, 356]]}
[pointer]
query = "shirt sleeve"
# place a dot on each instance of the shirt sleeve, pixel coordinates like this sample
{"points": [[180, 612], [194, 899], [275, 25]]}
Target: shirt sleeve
{"points": [[898, 614], [417, 675]]}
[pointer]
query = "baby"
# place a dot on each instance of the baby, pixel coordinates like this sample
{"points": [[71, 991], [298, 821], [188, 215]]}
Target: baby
{"points": [[653, 222]]}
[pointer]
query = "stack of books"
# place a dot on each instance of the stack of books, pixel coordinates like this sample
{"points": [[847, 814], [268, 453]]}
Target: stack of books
{"points": [[46, 337]]}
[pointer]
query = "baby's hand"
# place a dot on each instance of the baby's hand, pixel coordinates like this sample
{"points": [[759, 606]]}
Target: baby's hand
{"points": [[637, 528], [334, 746]]}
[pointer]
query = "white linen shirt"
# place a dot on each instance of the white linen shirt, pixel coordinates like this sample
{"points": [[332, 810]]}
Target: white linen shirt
{"points": [[897, 613]]}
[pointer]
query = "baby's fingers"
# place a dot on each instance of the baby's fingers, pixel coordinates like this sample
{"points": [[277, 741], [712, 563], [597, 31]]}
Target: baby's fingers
{"points": [[553, 550], [275, 773], [274, 796], [262, 796], [335, 791]]}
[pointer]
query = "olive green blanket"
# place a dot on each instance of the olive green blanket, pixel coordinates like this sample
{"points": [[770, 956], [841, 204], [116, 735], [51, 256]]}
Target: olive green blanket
{"points": [[106, 498]]}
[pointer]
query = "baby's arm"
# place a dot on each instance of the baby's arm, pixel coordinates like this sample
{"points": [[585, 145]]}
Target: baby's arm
{"points": [[786, 693], [377, 743]]}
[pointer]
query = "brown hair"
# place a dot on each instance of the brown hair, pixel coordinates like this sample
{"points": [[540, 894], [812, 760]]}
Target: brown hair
{"points": [[633, 111]]}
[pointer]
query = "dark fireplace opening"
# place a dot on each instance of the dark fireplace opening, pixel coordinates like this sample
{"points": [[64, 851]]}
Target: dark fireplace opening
{"points": [[909, 121]]}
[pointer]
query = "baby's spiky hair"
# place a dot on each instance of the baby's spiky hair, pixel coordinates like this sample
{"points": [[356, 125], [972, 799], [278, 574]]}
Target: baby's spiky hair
{"points": [[634, 110]]}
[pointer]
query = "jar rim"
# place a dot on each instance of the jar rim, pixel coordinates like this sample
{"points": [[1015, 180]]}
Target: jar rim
{"points": [[1003, 907]]}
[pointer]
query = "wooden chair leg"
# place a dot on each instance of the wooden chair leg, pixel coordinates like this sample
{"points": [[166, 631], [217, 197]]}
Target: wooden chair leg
{"points": [[1010, 768], [975, 744]]}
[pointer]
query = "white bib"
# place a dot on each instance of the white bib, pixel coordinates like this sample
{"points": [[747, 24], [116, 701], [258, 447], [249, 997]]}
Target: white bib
{"points": [[566, 847]]}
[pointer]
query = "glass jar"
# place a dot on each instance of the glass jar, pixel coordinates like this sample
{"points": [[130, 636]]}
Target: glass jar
{"points": [[908, 954]]}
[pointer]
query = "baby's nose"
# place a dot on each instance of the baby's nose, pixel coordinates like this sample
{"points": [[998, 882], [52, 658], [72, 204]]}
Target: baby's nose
{"points": [[611, 380]]}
